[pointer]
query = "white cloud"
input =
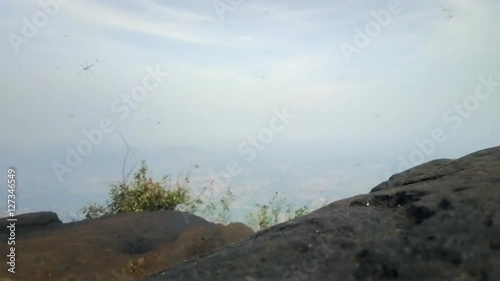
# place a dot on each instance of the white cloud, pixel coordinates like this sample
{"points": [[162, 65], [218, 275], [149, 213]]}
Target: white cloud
{"points": [[158, 24]]}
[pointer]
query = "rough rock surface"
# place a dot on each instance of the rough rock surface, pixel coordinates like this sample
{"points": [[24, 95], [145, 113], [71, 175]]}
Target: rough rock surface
{"points": [[438, 221], [31, 220]]}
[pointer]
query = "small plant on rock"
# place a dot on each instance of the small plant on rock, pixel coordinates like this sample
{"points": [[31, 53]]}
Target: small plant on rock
{"points": [[144, 194], [274, 212]]}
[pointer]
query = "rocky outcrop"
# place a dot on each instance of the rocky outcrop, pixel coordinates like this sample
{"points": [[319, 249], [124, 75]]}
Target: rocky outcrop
{"points": [[438, 221], [123, 247], [31, 220]]}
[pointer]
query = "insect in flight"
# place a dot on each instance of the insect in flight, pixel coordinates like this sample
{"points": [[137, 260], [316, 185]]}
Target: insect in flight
{"points": [[86, 68]]}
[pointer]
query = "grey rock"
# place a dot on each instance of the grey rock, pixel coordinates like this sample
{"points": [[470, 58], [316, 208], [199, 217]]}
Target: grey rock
{"points": [[432, 170], [438, 221]]}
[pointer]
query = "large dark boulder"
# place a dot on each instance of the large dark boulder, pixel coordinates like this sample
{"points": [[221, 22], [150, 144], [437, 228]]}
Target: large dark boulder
{"points": [[31, 220], [438, 221], [125, 246]]}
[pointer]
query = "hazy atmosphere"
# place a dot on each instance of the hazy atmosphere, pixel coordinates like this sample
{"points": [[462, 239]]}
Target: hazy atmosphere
{"points": [[320, 100]]}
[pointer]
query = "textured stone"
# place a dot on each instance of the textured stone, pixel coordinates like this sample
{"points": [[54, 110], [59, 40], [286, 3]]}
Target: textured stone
{"points": [[31, 220]]}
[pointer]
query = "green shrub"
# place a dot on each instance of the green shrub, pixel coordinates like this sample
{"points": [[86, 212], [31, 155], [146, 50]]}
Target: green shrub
{"points": [[274, 212], [143, 194], [214, 210], [94, 211]]}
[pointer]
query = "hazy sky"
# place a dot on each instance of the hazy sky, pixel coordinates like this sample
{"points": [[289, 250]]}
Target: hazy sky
{"points": [[362, 82]]}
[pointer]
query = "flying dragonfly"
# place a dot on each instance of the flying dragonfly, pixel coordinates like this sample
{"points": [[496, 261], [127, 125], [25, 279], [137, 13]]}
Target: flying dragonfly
{"points": [[444, 9], [86, 68], [156, 121], [450, 15]]}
